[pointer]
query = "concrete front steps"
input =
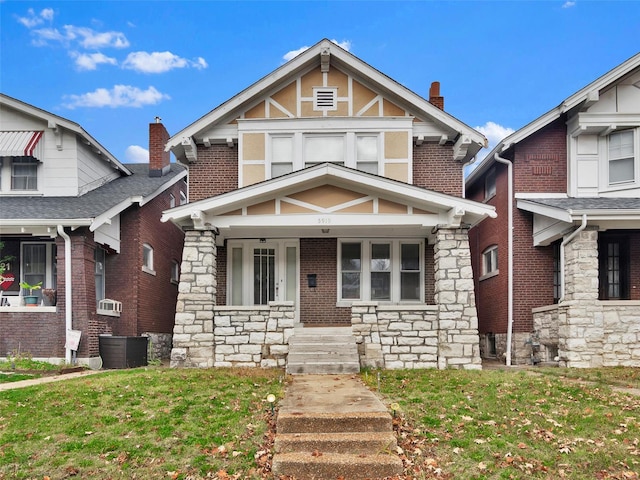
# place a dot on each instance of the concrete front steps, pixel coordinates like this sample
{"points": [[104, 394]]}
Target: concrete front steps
{"points": [[322, 350], [331, 427]]}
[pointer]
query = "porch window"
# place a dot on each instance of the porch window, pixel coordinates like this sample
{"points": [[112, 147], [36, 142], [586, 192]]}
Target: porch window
{"points": [[382, 271], [351, 266], [37, 264], [621, 157], [99, 257], [24, 174], [614, 261]]}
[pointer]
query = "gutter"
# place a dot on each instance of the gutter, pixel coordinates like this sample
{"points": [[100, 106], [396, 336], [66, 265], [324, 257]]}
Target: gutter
{"points": [[68, 311], [509, 165], [582, 226]]}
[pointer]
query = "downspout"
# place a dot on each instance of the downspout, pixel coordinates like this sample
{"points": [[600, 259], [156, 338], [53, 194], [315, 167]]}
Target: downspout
{"points": [[582, 226], [68, 311], [509, 165]]}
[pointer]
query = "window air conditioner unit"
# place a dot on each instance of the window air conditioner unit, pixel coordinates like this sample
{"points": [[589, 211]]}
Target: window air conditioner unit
{"points": [[109, 307]]}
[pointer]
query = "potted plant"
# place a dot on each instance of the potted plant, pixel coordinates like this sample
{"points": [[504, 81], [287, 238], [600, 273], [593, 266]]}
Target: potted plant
{"points": [[49, 295], [31, 300]]}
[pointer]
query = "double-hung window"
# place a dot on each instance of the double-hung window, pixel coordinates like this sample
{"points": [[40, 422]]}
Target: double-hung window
{"points": [[99, 257], [38, 264], [281, 155], [490, 262], [24, 174], [324, 148], [621, 157], [367, 153], [390, 271]]}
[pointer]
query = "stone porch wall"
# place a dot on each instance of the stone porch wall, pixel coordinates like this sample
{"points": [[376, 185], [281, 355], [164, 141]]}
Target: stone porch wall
{"points": [[253, 336], [396, 337]]}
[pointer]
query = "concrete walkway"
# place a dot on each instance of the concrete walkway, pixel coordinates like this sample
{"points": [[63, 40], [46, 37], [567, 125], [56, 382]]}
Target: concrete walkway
{"points": [[46, 379]]}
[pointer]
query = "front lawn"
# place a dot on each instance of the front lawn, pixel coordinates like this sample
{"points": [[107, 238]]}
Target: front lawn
{"points": [[154, 423]]}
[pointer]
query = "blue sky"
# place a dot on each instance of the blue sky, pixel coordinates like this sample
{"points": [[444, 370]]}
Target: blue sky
{"points": [[113, 66]]}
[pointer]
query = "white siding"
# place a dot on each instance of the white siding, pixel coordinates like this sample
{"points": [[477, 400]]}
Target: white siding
{"points": [[92, 172], [109, 234]]}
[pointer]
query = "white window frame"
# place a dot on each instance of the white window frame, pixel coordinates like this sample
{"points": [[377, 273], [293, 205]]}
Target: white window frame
{"points": [[100, 252], [172, 200], [634, 159], [490, 184], [490, 262], [365, 272], [175, 272], [271, 156], [49, 273], [147, 259], [30, 162], [183, 198]]}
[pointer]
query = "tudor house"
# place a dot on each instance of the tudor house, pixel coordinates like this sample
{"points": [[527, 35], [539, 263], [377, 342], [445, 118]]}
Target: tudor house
{"points": [[327, 194], [559, 269], [86, 228]]}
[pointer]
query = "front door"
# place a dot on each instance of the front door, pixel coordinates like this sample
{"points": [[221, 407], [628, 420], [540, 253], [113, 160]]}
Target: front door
{"points": [[263, 271]]}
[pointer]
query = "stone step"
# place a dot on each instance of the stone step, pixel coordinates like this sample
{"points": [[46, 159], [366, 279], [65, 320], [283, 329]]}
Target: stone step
{"points": [[323, 348], [317, 465], [322, 368], [366, 443], [359, 422], [306, 339]]}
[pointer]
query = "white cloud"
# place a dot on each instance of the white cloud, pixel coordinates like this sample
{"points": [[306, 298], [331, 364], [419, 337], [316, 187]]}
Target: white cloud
{"points": [[159, 62], [91, 39], [90, 61], [346, 44], [136, 154], [85, 37], [494, 133], [33, 19], [118, 96], [569, 4]]}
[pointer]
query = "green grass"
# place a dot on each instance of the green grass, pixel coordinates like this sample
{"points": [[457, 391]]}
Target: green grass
{"points": [[497, 424], [152, 422], [140, 423]]}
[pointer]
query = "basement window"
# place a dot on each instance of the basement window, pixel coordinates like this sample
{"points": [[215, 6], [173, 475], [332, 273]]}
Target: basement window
{"points": [[325, 99]]}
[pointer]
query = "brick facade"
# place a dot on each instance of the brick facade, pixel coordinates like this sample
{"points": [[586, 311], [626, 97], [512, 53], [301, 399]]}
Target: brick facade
{"points": [[215, 172], [434, 169]]}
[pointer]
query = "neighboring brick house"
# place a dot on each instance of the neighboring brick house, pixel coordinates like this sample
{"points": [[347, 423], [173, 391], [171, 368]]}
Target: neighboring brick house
{"points": [[87, 228], [327, 194], [568, 290]]}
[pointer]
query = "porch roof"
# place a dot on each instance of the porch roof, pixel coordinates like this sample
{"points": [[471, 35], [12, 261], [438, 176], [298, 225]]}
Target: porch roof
{"points": [[428, 208], [554, 217], [91, 209]]}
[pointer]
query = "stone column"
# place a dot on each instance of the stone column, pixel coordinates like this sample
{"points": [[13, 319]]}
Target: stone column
{"points": [[458, 340], [581, 330], [193, 341]]}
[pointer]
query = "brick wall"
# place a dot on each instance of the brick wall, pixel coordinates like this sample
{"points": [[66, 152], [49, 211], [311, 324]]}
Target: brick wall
{"points": [[318, 305], [435, 169], [215, 172]]}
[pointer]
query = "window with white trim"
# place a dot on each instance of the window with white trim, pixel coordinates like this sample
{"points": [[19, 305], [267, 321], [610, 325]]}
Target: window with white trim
{"points": [[24, 173], [38, 264], [389, 271], [490, 184], [621, 157], [99, 258], [490, 261], [281, 155], [147, 259], [172, 200], [367, 153], [175, 272], [183, 198], [324, 148]]}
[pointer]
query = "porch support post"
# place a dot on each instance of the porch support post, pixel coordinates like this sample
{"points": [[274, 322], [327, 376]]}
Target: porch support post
{"points": [[581, 330], [193, 341], [458, 340]]}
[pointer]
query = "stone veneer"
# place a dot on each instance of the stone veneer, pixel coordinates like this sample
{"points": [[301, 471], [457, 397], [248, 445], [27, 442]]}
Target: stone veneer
{"points": [[159, 345], [588, 332], [441, 336]]}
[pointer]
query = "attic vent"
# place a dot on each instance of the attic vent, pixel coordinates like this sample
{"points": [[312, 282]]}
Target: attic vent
{"points": [[109, 307], [325, 99]]}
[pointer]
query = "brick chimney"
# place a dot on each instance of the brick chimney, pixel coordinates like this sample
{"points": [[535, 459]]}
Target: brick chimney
{"points": [[434, 96], [158, 159]]}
